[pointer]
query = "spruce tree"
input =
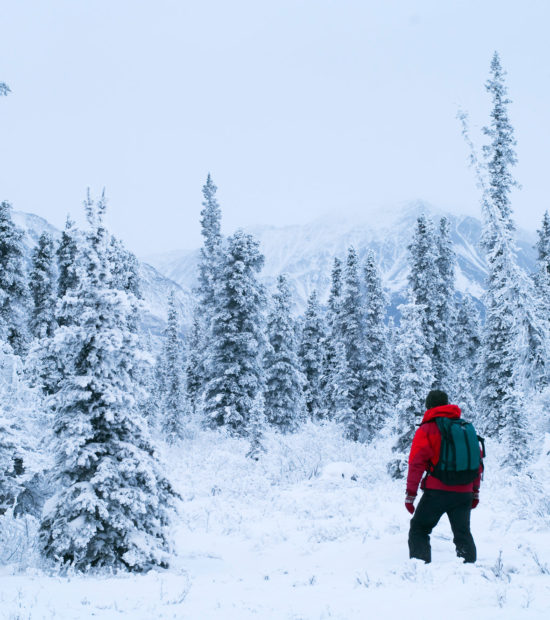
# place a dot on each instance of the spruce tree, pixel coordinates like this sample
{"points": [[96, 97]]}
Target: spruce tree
{"points": [[210, 266], [284, 402], [4, 89], [256, 425], [43, 287], [543, 254], [499, 154], [10, 459], [333, 337], [124, 268], [194, 369], [14, 295], [343, 388], [507, 301], [424, 281], [414, 373], [236, 336], [67, 251], [466, 355], [312, 358], [442, 355], [353, 339], [378, 392], [173, 401], [112, 503]]}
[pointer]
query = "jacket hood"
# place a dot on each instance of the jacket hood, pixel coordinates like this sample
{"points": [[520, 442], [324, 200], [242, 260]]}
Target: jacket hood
{"points": [[444, 411]]}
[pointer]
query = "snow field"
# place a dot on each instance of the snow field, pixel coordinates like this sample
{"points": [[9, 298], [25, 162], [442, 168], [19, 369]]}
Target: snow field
{"points": [[288, 537]]}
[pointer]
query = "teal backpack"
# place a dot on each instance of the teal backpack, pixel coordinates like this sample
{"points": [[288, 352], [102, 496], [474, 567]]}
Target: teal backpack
{"points": [[460, 455]]}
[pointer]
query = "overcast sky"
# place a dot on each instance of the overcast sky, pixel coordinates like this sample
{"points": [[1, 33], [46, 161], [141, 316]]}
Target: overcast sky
{"points": [[296, 107]]}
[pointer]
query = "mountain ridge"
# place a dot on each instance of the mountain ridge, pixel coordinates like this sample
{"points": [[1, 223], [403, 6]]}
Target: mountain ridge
{"points": [[305, 252]]}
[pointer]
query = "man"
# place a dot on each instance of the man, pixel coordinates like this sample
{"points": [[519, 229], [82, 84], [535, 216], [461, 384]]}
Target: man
{"points": [[438, 498]]}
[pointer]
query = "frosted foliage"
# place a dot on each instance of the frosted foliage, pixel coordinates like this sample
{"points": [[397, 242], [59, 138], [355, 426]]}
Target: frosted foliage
{"points": [[284, 381], [172, 396], [343, 389], [333, 331], [466, 353], [21, 427], [424, 277], [194, 370], [124, 268], [43, 287], [442, 355], [256, 425], [413, 371], [210, 266], [353, 338], [66, 258], [312, 354], [112, 503], [378, 396], [499, 154], [514, 341], [236, 337], [14, 296]]}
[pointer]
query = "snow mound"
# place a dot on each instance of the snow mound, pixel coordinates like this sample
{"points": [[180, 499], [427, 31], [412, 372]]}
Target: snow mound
{"points": [[336, 472]]}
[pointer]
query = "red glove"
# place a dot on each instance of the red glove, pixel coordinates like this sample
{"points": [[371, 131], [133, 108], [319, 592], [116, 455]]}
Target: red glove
{"points": [[475, 500], [409, 501]]}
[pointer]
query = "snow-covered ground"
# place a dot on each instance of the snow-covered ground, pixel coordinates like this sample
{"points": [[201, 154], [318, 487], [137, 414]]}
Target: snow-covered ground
{"points": [[315, 529]]}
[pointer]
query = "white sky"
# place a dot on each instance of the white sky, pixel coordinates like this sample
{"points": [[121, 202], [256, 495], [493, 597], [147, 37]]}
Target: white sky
{"points": [[297, 107]]}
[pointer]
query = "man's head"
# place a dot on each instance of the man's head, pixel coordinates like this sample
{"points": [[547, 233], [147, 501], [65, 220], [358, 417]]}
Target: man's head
{"points": [[436, 398]]}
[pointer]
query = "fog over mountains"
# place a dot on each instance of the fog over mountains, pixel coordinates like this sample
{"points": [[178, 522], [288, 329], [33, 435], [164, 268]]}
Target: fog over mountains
{"points": [[306, 252]]}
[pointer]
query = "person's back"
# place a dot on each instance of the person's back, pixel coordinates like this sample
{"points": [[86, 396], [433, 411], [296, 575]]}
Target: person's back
{"points": [[456, 500]]}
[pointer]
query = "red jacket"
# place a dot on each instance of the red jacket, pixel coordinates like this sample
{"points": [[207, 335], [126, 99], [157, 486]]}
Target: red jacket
{"points": [[425, 452]]}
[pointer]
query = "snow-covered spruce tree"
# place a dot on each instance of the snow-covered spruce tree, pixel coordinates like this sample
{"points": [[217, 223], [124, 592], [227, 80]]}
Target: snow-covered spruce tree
{"points": [[124, 268], [284, 381], [43, 287], [4, 89], [442, 355], [10, 461], [210, 264], [173, 402], [125, 276], [378, 389], [236, 336], [194, 376], [44, 367], [541, 283], [508, 320], [424, 281], [256, 425], [312, 358], [542, 276], [466, 354], [343, 388], [353, 339], [333, 337], [67, 251], [414, 373], [499, 154], [14, 294], [112, 504]]}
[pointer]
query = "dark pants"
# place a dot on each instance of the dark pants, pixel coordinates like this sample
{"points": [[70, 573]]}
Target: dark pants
{"points": [[432, 505]]}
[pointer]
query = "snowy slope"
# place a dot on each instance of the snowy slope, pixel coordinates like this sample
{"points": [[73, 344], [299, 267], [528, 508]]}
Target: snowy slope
{"points": [[290, 538], [155, 287], [306, 252]]}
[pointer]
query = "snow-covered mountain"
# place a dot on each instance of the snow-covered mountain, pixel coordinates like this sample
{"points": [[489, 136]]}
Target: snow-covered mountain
{"points": [[155, 287], [306, 252]]}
